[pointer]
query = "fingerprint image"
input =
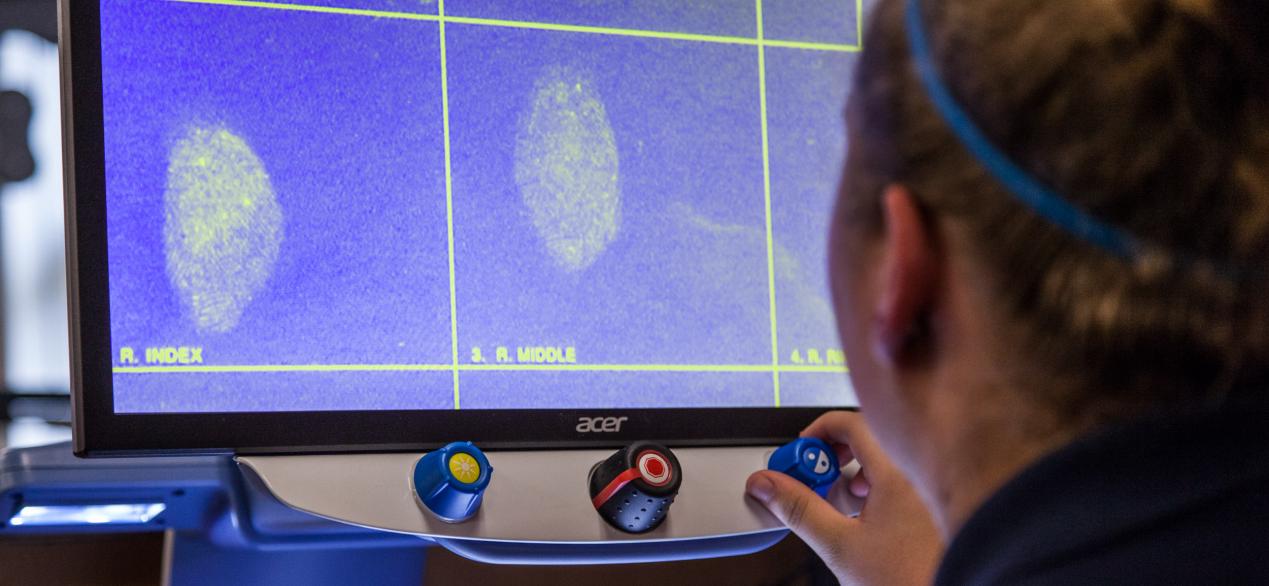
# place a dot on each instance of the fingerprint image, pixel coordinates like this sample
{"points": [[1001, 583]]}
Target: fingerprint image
{"points": [[222, 226], [567, 169]]}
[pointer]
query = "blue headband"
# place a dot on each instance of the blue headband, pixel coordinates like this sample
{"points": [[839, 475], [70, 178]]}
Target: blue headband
{"points": [[1045, 202]]}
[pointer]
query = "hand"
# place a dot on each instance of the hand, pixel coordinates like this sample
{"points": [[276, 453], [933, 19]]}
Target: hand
{"points": [[893, 541]]}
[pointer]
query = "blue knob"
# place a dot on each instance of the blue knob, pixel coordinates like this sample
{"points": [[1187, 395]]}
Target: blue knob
{"points": [[451, 481], [810, 460]]}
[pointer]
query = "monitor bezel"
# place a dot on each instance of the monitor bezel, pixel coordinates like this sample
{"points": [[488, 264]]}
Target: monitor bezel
{"points": [[100, 431]]}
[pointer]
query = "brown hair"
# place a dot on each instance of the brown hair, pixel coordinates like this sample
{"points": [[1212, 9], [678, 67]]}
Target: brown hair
{"points": [[1153, 115]]}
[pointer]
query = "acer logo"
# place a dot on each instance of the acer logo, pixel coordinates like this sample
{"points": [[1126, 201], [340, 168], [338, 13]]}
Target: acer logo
{"points": [[600, 424]]}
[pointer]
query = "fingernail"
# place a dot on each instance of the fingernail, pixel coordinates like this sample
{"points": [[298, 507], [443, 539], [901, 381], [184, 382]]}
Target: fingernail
{"points": [[761, 488]]}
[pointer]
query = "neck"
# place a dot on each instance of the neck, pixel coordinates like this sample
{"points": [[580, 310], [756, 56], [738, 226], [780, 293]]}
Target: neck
{"points": [[981, 450]]}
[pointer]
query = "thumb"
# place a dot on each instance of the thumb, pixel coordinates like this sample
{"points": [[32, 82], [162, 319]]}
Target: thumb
{"points": [[812, 518]]}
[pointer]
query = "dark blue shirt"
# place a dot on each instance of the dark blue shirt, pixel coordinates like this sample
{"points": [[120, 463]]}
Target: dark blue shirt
{"points": [[1165, 499]]}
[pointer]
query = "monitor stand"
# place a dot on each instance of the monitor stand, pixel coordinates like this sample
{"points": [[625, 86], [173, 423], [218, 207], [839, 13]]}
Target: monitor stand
{"points": [[538, 508]]}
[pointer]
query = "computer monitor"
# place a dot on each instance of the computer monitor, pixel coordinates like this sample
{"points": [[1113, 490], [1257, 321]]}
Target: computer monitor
{"points": [[364, 225]]}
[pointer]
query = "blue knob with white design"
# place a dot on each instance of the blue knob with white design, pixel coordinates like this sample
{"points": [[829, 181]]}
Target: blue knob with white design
{"points": [[810, 460], [451, 482]]}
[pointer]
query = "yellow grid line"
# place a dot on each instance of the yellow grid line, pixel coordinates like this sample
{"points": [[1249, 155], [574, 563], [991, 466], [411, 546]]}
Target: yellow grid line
{"points": [[766, 194], [449, 206], [563, 368], [282, 368], [529, 25], [321, 9], [859, 24]]}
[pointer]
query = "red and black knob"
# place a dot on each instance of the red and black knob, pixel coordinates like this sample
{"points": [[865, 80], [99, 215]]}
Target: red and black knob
{"points": [[634, 488]]}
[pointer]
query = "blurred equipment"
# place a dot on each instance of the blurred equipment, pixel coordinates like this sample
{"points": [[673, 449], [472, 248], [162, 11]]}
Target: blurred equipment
{"points": [[222, 526], [32, 249], [16, 162]]}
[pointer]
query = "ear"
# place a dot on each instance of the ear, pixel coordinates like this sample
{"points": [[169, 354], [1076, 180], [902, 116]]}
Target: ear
{"points": [[909, 277]]}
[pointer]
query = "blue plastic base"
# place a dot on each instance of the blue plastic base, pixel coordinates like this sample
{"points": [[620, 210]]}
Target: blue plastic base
{"points": [[196, 561]]}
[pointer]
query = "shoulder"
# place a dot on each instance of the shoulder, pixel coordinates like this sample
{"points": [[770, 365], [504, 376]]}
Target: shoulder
{"points": [[1221, 541], [1173, 499]]}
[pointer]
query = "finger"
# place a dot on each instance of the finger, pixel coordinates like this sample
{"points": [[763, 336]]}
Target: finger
{"points": [[801, 510], [859, 485], [849, 429], [845, 455]]}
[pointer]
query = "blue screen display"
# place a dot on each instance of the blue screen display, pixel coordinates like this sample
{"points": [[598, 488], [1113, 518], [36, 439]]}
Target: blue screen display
{"points": [[481, 204]]}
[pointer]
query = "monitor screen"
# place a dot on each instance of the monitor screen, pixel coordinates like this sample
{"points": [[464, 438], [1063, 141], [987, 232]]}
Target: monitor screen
{"points": [[360, 205]]}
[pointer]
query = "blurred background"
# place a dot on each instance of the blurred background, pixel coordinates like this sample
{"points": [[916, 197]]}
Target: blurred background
{"points": [[34, 404]]}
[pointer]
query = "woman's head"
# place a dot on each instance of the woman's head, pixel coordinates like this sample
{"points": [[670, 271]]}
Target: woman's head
{"points": [[1152, 115]]}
